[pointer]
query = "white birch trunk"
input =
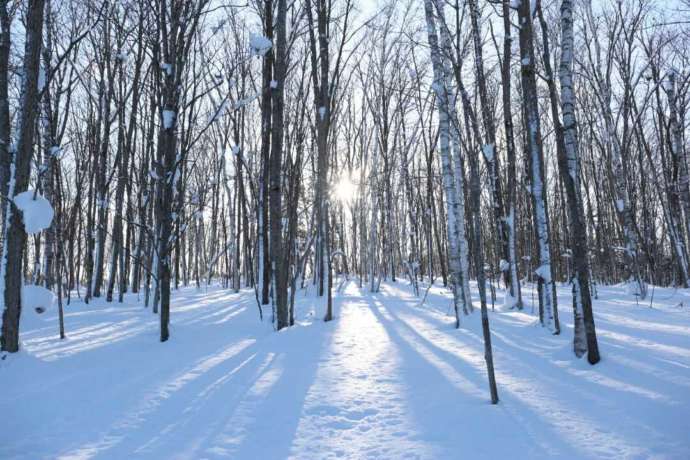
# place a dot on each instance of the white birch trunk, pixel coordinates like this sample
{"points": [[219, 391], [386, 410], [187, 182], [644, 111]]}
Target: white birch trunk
{"points": [[440, 88], [580, 290], [373, 226], [459, 209]]}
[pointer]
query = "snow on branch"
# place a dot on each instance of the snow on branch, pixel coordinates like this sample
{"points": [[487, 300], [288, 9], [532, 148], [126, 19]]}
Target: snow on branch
{"points": [[37, 213], [259, 45]]}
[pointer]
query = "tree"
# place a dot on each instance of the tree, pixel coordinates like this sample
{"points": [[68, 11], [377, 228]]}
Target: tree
{"points": [[22, 150], [278, 262], [440, 87], [177, 22], [585, 338], [548, 310]]}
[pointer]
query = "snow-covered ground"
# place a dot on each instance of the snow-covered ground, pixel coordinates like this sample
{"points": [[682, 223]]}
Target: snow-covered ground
{"points": [[387, 379]]}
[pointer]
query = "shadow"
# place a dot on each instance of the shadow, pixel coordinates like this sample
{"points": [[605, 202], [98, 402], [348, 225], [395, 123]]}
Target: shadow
{"points": [[564, 387], [385, 379], [265, 420], [244, 400], [541, 441]]}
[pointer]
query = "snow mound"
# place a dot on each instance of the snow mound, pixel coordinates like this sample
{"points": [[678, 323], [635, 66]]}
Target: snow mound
{"points": [[37, 214], [37, 298]]}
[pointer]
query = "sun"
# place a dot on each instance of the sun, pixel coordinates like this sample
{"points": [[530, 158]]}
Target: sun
{"points": [[345, 189]]}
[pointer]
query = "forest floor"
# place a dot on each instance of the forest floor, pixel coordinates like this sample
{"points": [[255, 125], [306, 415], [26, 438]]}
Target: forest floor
{"points": [[387, 379]]}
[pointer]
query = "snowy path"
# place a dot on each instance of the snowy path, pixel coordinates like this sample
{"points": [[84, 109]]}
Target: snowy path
{"points": [[386, 379]]}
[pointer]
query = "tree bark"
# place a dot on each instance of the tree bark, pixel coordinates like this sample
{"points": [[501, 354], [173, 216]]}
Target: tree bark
{"points": [[585, 338], [15, 238], [535, 157]]}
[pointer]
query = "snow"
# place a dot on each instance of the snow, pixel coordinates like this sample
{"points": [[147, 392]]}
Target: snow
{"points": [[274, 84], [168, 118], [41, 78], [322, 112], [488, 150], [259, 45], [388, 378], [632, 288], [620, 205], [243, 102], [667, 84], [37, 298], [37, 214], [166, 67], [509, 301], [504, 265], [544, 272]]}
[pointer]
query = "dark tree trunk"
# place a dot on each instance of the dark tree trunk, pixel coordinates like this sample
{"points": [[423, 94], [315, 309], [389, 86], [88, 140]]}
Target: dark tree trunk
{"points": [[12, 262]]}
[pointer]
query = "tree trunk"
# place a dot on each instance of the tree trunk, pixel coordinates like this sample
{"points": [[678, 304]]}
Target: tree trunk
{"points": [[585, 338], [279, 267], [15, 238], [535, 157]]}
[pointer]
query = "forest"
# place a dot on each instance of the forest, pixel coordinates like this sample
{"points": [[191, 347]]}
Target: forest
{"points": [[347, 187]]}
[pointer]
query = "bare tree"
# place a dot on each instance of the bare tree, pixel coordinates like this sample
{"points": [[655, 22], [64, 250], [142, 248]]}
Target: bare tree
{"points": [[15, 237]]}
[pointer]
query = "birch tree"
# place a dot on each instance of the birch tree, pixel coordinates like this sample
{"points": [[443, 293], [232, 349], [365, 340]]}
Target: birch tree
{"points": [[533, 138], [442, 101], [585, 338]]}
